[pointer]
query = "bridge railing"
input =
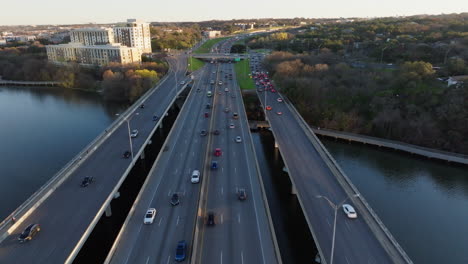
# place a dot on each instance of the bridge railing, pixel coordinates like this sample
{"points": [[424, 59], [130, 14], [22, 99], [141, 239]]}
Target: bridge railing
{"points": [[377, 226], [36, 199]]}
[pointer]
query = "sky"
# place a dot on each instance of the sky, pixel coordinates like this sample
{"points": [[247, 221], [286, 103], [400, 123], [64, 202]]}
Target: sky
{"points": [[34, 12]]}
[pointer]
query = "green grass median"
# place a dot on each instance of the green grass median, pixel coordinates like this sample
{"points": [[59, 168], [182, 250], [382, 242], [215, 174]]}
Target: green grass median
{"points": [[195, 64], [242, 69], [206, 47]]}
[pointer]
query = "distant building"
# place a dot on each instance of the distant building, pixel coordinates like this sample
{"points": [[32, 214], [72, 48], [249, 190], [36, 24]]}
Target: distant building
{"points": [[99, 46], [134, 33], [3, 42], [455, 80], [212, 33]]}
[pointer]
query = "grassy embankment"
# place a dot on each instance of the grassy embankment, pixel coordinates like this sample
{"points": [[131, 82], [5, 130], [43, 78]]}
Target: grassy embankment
{"points": [[195, 64], [242, 69], [206, 47]]}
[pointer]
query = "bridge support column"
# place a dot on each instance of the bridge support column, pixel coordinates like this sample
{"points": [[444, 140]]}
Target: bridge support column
{"points": [[285, 170], [293, 189], [150, 142], [142, 156], [276, 144], [108, 211], [161, 125]]}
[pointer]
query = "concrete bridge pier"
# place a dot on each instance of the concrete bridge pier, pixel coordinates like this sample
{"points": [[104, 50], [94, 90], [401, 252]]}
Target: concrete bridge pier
{"points": [[142, 156], [276, 144], [109, 209], [293, 189]]}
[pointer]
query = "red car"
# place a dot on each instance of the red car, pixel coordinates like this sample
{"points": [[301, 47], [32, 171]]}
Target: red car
{"points": [[273, 90], [217, 152], [207, 114], [268, 108]]}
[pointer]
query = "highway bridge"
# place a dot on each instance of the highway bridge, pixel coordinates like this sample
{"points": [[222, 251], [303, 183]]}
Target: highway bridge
{"points": [[67, 213], [322, 187]]}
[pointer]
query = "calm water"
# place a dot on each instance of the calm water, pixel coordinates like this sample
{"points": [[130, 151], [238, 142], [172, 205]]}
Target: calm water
{"points": [[423, 203], [41, 129]]}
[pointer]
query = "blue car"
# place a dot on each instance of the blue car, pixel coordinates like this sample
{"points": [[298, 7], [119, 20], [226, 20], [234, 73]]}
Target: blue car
{"points": [[214, 165], [181, 251], [155, 118]]}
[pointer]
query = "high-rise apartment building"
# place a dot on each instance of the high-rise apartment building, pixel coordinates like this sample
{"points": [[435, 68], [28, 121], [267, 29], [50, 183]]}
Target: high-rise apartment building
{"points": [[100, 46], [134, 33]]}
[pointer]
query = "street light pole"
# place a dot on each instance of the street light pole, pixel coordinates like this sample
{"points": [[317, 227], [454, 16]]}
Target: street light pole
{"points": [[335, 207], [381, 55], [129, 137]]}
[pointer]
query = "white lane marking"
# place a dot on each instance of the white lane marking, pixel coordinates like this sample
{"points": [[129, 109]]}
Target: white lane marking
{"points": [[181, 155], [160, 220], [177, 223], [347, 261], [222, 218], [193, 153], [222, 191], [222, 169], [196, 140], [238, 218], [185, 141], [234, 153], [235, 169], [147, 260], [328, 222], [168, 259], [221, 257], [242, 257], [176, 170], [169, 193]]}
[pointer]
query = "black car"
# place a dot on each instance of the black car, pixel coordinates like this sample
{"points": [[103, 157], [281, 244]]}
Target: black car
{"points": [[175, 199], [208, 106], [155, 118], [142, 106], [216, 132], [203, 133], [127, 154], [242, 194], [211, 219], [86, 181], [29, 232]]}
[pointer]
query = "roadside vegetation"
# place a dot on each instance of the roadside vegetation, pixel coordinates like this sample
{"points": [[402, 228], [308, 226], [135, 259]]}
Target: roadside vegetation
{"points": [[167, 38], [206, 47], [242, 69], [195, 64], [382, 77]]}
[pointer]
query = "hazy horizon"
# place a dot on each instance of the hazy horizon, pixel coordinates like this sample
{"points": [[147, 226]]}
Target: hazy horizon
{"points": [[54, 12]]}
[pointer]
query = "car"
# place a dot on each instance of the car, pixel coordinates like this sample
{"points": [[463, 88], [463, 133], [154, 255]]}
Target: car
{"points": [[29, 232], [208, 106], [149, 216], [279, 100], [134, 133], [207, 114], [214, 165], [211, 219], [195, 176], [231, 125], [86, 181], [127, 154], [182, 82], [175, 199], [238, 139], [155, 118], [226, 110], [273, 90], [268, 108], [279, 113], [241, 194], [235, 115], [220, 83], [142, 106], [180, 251], [260, 90], [226, 89], [349, 211], [216, 132], [203, 133], [217, 152]]}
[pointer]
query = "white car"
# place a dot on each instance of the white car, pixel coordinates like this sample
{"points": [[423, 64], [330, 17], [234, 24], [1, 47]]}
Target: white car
{"points": [[238, 139], [226, 89], [279, 100], [134, 133], [231, 125], [349, 211], [182, 82], [195, 176], [149, 216]]}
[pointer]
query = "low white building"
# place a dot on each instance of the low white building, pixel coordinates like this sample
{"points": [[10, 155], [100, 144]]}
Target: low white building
{"points": [[212, 33], [2, 42], [454, 80]]}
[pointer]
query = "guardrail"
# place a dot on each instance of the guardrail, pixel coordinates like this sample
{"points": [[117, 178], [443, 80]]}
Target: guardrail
{"points": [[340, 176], [36, 199]]}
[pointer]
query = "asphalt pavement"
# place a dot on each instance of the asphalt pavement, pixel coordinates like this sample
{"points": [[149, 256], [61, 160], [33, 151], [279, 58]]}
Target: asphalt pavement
{"points": [[68, 215]]}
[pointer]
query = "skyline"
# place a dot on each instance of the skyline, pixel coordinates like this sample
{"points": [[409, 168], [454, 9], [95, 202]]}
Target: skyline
{"points": [[38, 13]]}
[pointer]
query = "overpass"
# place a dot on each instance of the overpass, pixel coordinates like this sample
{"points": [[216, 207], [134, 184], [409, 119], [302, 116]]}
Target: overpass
{"points": [[67, 213], [218, 56], [244, 231], [321, 187]]}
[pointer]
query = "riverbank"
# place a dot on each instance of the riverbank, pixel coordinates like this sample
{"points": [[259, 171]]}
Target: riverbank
{"points": [[395, 145]]}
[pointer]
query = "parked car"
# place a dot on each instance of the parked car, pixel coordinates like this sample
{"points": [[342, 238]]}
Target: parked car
{"points": [[238, 139], [214, 165], [181, 250], [29, 232], [211, 219], [175, 199], [134, 133], [241, 194], [195, 176], [127, 154], [86, 181], [349, 211], [149, 216]]}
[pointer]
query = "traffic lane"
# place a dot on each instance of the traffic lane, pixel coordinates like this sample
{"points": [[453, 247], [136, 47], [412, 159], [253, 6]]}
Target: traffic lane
{"points": [[166, 210], [324, 184]]}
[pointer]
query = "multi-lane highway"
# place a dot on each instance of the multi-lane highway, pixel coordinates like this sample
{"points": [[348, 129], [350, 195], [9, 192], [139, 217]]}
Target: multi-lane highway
{"points": [[69, 213], [242, 231], [355, 241], [171, 173]]}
